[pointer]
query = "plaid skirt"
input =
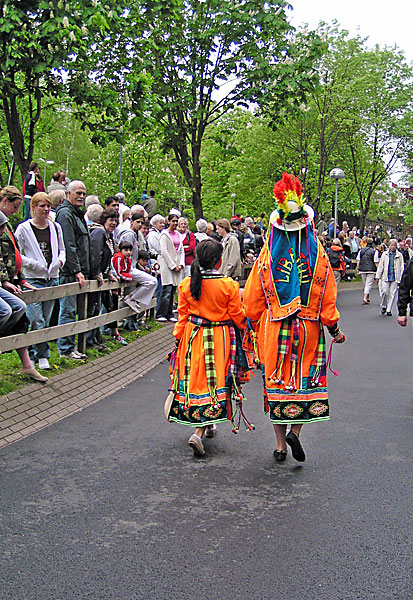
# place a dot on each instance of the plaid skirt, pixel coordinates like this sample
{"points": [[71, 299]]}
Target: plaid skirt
{"points": [[203, 375], [293, 359]]}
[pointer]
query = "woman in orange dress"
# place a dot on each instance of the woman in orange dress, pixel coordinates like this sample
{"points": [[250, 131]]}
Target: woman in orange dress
{"points": [[290, 294], [206, 377]]}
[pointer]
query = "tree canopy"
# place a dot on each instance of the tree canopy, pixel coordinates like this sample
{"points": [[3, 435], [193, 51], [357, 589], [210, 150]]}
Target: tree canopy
{"points": [[47, 50], [206, 57]]}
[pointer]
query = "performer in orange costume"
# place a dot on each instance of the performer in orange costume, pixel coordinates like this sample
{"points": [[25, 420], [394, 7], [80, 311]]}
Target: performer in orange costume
{"points": [[206, 376], [290, 294]]}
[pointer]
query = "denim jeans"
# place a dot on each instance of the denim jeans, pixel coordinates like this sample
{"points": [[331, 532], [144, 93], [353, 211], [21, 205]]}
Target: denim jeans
{"points": [[166, 302], [158, 289], [11, 310], [39, 314], [26, 207], [67, 314]]}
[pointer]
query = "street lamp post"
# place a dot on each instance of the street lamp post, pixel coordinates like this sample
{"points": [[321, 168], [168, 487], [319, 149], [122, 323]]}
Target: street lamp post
{"points": [[336, 174], [11, 168], [233, 196], [120, 167], [46, 162]]}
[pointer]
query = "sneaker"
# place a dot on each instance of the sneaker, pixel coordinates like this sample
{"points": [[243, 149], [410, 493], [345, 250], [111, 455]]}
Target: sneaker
{"points": [[210, 431], [383, 310], [120, 339], [196, 444], [132, 304], [75, 355], [43, 364], [173, 320], [388, 314], [162, 320]]}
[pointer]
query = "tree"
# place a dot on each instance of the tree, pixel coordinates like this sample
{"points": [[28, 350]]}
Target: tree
{"points": [[358, 118], [46, 50], [206, 57], [144, 166], [378, 131]]}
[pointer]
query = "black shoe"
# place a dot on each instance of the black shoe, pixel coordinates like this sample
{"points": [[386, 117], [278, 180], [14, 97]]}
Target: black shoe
{"points": [[280, 455], [383, 310], [388, 314], [296, 447]]}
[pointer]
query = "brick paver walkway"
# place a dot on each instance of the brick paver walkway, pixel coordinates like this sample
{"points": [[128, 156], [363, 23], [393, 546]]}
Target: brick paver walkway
{"points": [[37, 405]]}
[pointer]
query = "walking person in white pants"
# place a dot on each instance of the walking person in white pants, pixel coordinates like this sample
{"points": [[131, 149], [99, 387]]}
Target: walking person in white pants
{"points": [[389, 273], [366, 267]]}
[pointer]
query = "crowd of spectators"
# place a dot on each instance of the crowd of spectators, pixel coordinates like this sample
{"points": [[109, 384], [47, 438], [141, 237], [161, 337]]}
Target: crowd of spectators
{"points": [[68, 236], [374, 256]]}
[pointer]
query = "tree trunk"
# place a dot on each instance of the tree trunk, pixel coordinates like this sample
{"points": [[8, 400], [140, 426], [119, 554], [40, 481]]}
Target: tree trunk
{"points": [[196, 184], [15, 134], [362, 221]]}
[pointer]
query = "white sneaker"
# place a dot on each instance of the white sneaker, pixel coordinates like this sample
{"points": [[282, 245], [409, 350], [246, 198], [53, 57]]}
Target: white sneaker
{"points": [[43, 363], [132, 304], [76, 355], [210, 431], [173, 320], [162, 320], [196, 444]]}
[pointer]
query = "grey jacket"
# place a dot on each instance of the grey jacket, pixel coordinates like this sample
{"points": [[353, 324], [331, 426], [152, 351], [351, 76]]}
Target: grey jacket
{"points": [[231, 257]]}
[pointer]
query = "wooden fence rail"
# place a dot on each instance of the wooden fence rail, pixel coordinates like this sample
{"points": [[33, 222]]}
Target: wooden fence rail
{"points": [[81, 326]]}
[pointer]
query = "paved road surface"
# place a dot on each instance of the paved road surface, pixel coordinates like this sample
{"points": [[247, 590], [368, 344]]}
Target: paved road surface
{"points": [[110, 504]]}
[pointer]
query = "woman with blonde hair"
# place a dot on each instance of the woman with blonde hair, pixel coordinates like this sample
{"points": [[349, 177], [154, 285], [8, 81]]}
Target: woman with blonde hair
{"points": [[43, 254], [188, 242]]}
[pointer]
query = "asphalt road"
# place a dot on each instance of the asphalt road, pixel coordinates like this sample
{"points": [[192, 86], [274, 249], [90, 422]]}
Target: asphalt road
{"points": [[111, 504]]}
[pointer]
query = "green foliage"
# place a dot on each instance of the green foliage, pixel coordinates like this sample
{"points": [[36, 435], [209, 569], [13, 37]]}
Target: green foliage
{"points": [[205, 58], [144, 166], [51, 49], [358, 118]]}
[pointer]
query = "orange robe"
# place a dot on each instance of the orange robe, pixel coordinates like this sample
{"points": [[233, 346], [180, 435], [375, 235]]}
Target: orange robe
{"points": [[220, 301], [292, 394]]}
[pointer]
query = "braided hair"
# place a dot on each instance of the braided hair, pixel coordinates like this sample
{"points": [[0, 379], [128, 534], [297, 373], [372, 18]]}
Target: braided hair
{"points": [[208, 253]]}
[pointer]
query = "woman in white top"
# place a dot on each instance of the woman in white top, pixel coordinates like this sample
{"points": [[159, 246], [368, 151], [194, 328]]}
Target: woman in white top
{"points": [[172, 264], [43, 254]]}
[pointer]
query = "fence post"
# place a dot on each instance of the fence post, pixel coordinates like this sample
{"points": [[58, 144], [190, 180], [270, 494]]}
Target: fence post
{"points": [[82, 314]]}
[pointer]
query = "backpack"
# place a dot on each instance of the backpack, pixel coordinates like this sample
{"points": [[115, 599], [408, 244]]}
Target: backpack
{"points": [[335, 259]]}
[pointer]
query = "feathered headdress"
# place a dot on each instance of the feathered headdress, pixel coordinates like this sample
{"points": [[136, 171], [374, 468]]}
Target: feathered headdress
{"points": [[289, 196]]}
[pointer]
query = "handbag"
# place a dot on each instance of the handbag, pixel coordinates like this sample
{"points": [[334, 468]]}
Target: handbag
{"points": [[167, 404]]}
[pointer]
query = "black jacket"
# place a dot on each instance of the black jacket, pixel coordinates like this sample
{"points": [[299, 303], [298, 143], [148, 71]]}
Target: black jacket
{"points": [[406, 290], [367, 260], [101, 250], [76, 238]]}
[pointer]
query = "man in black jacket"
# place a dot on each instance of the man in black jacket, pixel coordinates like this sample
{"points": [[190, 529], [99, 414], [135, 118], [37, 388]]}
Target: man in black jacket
{"points": [[78, 266], [406, 294]]}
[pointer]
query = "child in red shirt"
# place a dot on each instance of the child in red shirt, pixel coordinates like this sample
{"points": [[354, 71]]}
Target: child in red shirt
{"points": [[121, 261]]}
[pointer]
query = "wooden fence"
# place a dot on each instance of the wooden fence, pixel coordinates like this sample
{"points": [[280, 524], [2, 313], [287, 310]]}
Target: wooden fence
{"points": [[83, 324], [79, 327]]}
